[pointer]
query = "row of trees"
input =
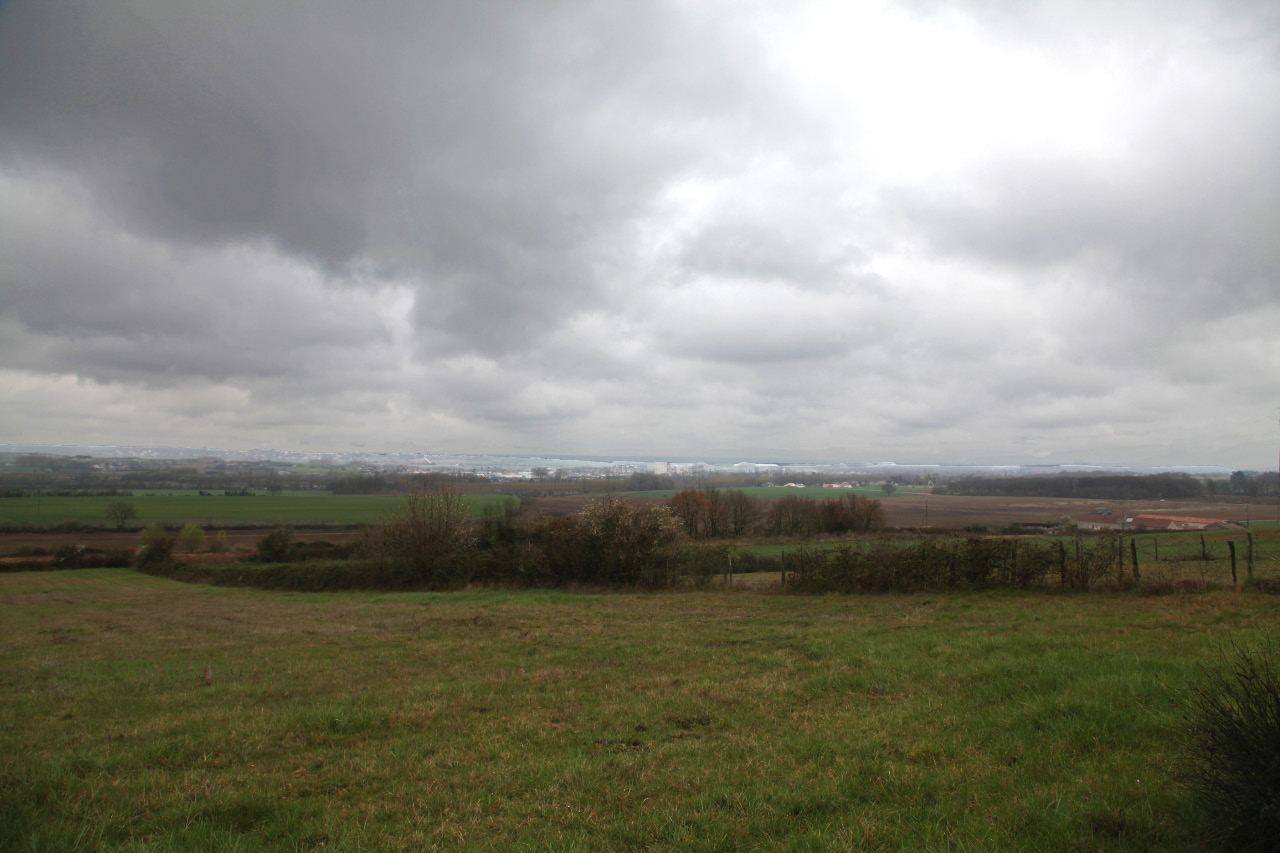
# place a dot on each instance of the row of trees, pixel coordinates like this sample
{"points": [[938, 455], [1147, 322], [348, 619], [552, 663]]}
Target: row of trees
{"points": [[1096, 486], [379, 483], [732, 513], [1249, 485], [1115, 486], [190, 539]]}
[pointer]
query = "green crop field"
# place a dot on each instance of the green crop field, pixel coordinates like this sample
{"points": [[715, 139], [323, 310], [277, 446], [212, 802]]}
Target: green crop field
{"points": [[189, 507], [145, 714]]}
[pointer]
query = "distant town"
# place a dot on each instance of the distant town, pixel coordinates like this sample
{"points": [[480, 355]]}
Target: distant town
{"points": [[498, 466]]}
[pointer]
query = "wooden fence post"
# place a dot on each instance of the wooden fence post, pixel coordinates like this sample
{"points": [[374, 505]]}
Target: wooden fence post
{"points": [[1155, 540], [1119, 560], [1231, 545], [1133, 552], [1204, 551], [1248, 565]]}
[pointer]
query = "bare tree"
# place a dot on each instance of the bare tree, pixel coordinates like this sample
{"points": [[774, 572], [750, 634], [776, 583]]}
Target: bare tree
{"points": [[121, 513], [432, 536], [744, 511]]}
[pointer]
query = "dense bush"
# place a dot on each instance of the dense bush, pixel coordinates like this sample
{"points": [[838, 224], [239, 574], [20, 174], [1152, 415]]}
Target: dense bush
{"points": [[276, 546], [611, 542], [499, 523], [429, 542], [326, 576], [747, 562], [191, 538], [69, 556], [155, 553], [1232, 741], [66, 556], [887, 566], [153, 532]]}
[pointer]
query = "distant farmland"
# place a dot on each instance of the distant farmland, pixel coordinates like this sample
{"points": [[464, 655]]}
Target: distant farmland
{"points": [[184, 508], [785, 492]]}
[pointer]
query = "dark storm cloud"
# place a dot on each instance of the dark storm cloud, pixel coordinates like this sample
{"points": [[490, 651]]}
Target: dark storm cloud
{"points": [[99, 302], [488, 151], [180, 116]]}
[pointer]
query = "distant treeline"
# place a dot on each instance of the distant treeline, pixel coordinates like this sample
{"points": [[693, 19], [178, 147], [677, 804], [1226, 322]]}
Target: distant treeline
{"points": [[1117, 487], [398, 484], [64, 493], [64, 481]]}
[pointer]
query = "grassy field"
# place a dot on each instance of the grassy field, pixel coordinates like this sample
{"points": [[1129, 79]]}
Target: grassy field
{"points": [[189, 507], [142, 714]]}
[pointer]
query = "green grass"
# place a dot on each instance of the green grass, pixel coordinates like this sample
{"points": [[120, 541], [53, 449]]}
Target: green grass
{"points": [[783, 492], [773, 549], [142, 714], [181, 508], [1183, 548]]}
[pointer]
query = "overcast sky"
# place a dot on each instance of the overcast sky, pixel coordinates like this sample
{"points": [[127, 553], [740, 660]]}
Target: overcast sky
{"points": [[952, 232]]}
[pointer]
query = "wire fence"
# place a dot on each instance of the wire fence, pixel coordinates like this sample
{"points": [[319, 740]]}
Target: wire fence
{"points": [[1218, 559], [1145, 561]]}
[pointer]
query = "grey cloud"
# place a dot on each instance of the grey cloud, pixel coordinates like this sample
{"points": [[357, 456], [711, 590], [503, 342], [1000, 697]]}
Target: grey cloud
{"points": [[583, 225], [1184, 217], [89, 299], [208, 123], [786, 249], [487, 151]]}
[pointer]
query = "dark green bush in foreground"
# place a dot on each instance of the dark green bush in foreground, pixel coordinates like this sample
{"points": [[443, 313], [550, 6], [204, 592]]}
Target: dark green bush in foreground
{"points": [[1232, 768]]}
